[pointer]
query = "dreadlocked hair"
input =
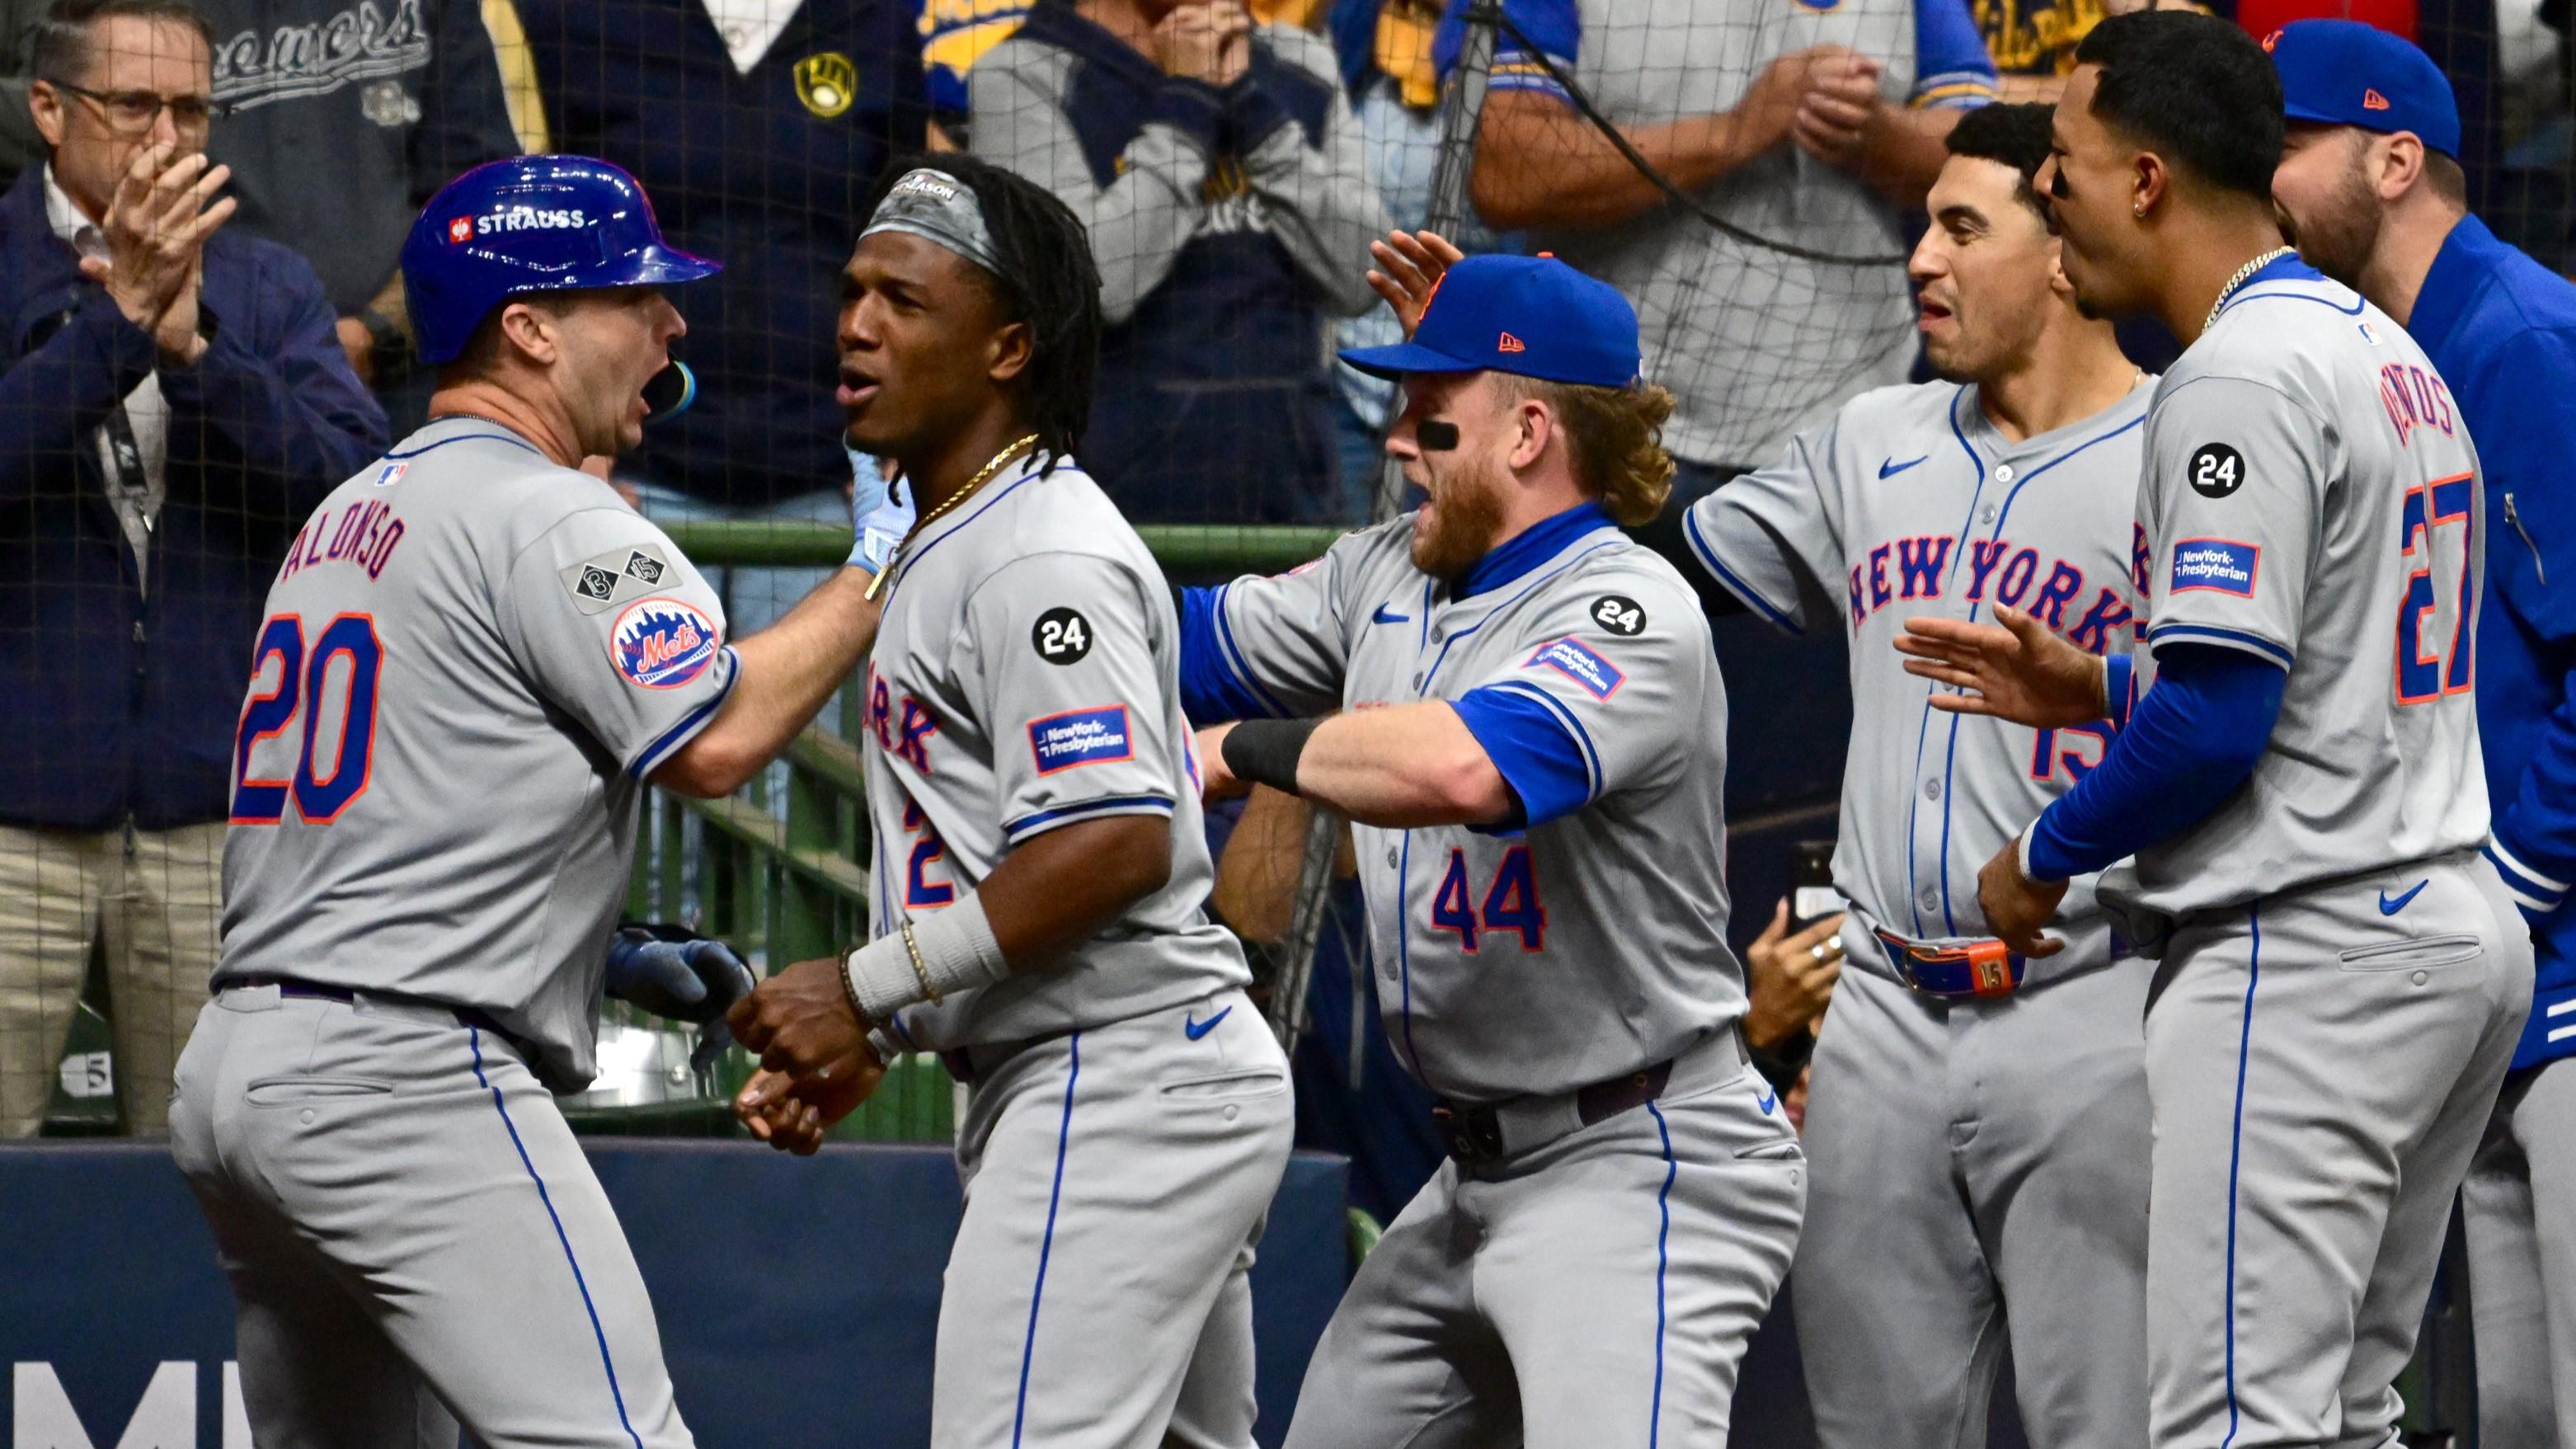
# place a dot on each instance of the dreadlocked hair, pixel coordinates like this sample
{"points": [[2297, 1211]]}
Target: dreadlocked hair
{"points": [[1048, 280]]}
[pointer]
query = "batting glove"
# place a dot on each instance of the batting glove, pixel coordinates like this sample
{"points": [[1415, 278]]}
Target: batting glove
{"points": [[691, 979], [880, 529]]}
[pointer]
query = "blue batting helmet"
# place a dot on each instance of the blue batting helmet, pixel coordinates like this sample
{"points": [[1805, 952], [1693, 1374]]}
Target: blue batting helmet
{"points": [[530, 224]]}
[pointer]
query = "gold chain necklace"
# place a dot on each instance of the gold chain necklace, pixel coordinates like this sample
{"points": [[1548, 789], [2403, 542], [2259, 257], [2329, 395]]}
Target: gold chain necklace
{"points": [[982, 476], [2234, 282]]}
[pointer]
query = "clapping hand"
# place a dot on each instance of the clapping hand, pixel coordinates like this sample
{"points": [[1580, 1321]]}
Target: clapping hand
{"points": [[156, 228], [1841, 100]]}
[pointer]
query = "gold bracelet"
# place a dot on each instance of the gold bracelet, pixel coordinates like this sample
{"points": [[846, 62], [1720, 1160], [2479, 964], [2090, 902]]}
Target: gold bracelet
{"points": [[920, 971]]}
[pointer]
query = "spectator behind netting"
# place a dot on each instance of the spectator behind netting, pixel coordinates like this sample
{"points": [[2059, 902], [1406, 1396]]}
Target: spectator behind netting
{"points": [[759, 127], [339, 118], [173, 404], [1813, 127], [1385, 50], [1220, 173]]}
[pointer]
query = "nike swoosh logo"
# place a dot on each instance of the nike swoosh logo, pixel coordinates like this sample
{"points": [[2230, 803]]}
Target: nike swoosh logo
{"points": [[1380, 617], [1766, 1101], [1891, 467], [2388, 907], [1197, 1028]]}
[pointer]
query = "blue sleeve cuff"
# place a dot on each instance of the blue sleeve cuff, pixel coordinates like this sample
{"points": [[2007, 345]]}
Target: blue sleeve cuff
{"points": [[2120, 687], [1214, 687], [2536, 894], [1539, 750]]}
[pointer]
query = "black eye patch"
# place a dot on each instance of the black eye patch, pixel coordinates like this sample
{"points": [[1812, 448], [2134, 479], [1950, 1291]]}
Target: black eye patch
{"points": [[1433, 435]]}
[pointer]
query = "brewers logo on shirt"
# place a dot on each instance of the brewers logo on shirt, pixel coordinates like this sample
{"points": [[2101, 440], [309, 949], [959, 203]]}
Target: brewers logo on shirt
{"points": [[826, 82]]}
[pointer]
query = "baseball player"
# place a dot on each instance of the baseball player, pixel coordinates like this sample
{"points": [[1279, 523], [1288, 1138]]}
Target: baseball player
{"points": [[1529, 757], [2370, 183], [1039, 865], [472, 660], [2343, 977], [1978, 1120]]}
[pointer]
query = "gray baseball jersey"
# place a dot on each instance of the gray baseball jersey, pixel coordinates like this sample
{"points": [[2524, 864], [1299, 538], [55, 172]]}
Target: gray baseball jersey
{"points": [[1593, 942], [2311, 497], [1910, 502], [471, 660], [1025, 677], [1925, 1250], [1753, 341]]}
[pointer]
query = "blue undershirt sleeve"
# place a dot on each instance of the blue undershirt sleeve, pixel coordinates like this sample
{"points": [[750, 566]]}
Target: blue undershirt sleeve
{"points": [[1537, 756], [2189, 741]]}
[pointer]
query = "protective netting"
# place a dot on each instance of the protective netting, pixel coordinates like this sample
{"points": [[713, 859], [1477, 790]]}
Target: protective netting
{"points": [[1748, 173]]}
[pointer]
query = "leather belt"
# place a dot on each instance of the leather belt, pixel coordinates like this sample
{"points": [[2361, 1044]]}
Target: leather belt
{"points": [[318, 991], [1483, 1133], [1955, 968]]}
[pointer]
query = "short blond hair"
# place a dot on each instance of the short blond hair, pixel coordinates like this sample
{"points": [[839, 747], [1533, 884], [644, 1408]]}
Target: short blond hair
{"points": [[1615, 438]]}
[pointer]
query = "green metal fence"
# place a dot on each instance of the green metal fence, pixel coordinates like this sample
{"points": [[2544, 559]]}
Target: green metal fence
{"points": [[777, 869]]}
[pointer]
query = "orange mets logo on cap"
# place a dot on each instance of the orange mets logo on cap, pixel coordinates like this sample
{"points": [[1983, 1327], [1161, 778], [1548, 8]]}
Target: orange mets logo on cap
{"points": [[2372, 100], [460, 229]]}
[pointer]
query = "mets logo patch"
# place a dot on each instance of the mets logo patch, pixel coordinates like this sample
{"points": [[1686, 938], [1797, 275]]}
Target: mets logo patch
{"points": [[663, 643], [827, 83], [1081, 737], [2221, 564], [1598, 676]]}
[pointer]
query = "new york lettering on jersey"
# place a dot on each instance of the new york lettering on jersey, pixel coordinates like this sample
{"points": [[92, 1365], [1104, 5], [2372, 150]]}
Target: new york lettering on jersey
{"points": [[1567, 946], [2312, 498], [1910, 503], [1023, 680]]}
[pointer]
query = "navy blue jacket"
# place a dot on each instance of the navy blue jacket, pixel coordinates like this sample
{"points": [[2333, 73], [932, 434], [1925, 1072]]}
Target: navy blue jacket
{"points": [[2502, 329], [766, 173], [120, 703]]}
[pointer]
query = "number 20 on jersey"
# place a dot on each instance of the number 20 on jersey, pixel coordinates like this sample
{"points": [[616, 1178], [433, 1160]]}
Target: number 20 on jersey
{"points": [[329, 678]]}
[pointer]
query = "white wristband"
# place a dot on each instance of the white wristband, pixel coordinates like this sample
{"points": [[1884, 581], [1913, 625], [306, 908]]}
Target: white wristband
{"points": [[950, 950]]}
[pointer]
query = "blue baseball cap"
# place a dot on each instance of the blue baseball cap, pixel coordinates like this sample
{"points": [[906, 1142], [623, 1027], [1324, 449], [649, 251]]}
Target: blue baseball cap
{"points": [[2345, 73], [1534, 316]]}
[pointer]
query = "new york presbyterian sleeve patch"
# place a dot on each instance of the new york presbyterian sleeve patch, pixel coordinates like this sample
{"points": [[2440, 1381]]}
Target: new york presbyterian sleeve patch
{"points": [[1569, 657], [2221, 565], [1094, 736]]}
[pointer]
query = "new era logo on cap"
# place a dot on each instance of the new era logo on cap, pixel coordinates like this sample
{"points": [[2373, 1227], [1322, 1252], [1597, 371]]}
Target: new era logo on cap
{"points": [[460, 229], [2372, 100], [1509, 344]]}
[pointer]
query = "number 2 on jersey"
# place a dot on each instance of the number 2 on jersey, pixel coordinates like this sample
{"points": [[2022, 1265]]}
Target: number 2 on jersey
{"points": [[2421, 677], [300, 692], [1511, 902]]}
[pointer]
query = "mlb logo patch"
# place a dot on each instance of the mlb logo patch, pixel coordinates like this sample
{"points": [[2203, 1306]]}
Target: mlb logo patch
{"points": [[460, 229], [391, 474], [1081, 737], [663, 643], [1598, 676], [2219, 564]]}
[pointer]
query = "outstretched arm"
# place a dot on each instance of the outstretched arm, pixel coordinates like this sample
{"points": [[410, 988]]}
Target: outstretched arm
{"points": [[1404, 767]]}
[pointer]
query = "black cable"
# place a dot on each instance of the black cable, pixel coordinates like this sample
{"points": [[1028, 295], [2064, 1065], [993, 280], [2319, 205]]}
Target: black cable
{"points": [[1492, 12]]}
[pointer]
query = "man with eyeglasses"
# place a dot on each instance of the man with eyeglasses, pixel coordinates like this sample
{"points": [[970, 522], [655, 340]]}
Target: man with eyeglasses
{"points": [[173, 403]]}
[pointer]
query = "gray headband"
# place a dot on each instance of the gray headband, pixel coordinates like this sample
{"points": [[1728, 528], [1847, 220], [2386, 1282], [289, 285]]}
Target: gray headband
{"points": [[937, 207]]}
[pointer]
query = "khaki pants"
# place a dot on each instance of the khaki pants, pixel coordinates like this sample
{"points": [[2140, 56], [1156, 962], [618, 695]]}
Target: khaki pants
{"points": [[156, 900]]}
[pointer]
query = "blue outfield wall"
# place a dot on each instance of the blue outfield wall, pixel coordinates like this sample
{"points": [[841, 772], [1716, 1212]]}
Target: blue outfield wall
{"points": [[798, 1298]]}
